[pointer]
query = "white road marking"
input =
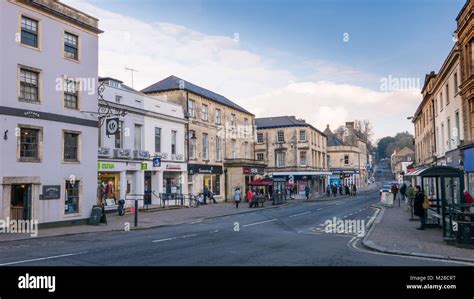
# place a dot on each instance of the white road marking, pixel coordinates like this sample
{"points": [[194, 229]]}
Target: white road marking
{"points": [[261, 222], [43, 258], [197, 221], [295, 215], [338, 204], [319, 209], [174, 238]]}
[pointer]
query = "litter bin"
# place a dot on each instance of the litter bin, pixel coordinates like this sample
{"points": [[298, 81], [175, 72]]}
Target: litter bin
{"points": [[465, 234], [121, 204]]}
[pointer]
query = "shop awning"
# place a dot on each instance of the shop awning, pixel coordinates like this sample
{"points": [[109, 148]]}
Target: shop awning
{"points": [[261, 182], [415, 172], [303, 173]]}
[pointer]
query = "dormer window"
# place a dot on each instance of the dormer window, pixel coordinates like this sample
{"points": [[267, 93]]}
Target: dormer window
{"points": [[116, 84]]}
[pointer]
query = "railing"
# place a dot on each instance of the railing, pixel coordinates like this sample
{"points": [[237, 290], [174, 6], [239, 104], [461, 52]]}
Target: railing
{"points": [[172, 199], [16, 213]]}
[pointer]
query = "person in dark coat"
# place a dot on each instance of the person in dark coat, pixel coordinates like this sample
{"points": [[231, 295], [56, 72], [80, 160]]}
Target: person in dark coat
{"points": [[354, 190], [394, 190], [307, 191], [418, 207], [403, 191]]}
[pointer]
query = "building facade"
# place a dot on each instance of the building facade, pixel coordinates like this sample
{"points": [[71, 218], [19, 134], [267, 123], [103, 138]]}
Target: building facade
{"points": [[400, 161], [423, 119], [48, 82], [220, 137], [348, 158], [293, 149], [465, 36], [447, 106], [146, 154]]}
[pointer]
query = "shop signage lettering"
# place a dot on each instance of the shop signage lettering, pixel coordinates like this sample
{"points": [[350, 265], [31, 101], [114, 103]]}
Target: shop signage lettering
{"points": [[204, 169], [173, 166], [106, 166], [51, 192], [253, 170]]}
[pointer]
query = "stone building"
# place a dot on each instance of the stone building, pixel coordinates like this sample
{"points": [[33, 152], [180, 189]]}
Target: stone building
{"points": [[48, 86], [220, 137], [465, 36], [348, 159], [400, 160], [293, 149], [425, 139]]}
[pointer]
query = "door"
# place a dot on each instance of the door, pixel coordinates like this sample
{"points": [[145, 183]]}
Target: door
{"points": [[20, 202]]}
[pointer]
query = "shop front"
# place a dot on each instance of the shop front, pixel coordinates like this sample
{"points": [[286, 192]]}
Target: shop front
{"points": [[203, 176], [164, 178], [468, 161], [119, 180], [297, 181], [345, 177], [239, 173]]}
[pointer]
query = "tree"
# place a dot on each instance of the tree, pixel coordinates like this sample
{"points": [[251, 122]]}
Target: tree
{"points": [[387, 145]]}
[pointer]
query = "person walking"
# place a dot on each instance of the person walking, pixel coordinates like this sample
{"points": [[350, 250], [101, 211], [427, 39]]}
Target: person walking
{"points": [[249, 197], [334, 190], [328, 190], [394, 190], [307, 190], [403, 191], [354, 189], [237, 197], [410, 194], [419, 210]]}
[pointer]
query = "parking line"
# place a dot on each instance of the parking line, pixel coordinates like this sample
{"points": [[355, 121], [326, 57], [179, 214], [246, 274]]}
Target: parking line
{"points": [[261, 222], [304, 213]]}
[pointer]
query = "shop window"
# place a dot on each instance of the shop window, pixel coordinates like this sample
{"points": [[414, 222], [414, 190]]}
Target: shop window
{"points": [[216, 184], [72, 197]]}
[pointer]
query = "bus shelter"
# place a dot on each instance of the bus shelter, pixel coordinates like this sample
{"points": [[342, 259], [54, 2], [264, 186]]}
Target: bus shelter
{"points": [[444, 187], [274, 188]]}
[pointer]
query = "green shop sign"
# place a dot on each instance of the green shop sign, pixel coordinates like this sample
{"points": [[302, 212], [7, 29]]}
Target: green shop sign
{"points": [[144, 166], [106, 166]]}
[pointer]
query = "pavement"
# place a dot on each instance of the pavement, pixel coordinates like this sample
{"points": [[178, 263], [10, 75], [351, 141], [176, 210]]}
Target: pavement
{"points": [[393, 233], [286, 235]]}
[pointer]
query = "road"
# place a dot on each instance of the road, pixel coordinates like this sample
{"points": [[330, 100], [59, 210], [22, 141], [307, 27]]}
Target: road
{"points": [[287, 235]]}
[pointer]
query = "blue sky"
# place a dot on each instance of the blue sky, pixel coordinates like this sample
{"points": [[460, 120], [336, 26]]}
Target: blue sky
{"points": [[403, 37], [290, 58]]}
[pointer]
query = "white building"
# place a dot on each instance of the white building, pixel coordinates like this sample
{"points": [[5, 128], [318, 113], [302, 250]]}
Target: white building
{"points": [[151, 128], [48, 63], [447, 108]]}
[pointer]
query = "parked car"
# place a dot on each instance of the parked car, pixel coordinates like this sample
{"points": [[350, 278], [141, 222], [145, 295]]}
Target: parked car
{"points": [[386, 188]]}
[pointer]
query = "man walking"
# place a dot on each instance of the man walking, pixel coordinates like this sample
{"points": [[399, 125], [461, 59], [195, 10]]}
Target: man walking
{"points": [[307, 190], [403, 191]]}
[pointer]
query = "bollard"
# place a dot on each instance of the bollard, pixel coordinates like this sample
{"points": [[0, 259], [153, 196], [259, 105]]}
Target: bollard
{"points": [[136, 213]]}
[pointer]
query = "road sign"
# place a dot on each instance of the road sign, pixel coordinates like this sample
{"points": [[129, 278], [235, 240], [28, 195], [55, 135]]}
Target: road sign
{"points": [[156, 162]]}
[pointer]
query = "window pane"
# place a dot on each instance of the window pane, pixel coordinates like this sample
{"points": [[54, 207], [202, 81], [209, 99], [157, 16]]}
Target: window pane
{"points": [[28, 85], [72, 197], [70, 45], [29, 32], [70, 146], [157, 140], [29, 143]]}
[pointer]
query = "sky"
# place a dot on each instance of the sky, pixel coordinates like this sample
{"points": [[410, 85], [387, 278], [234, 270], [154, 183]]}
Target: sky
{"points": [[326, 61]]}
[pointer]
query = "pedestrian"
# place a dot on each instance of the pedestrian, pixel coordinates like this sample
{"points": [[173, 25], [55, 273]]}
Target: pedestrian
{"points": [[348, 192], [340, 189], [328, 190], [394, 190], [469, 202], [211, 196], [237, 197], [307, 190], [403, 191], [354, 190], [205, 192], [334, 190], [419, 210], [410, 194], [249, 197]]}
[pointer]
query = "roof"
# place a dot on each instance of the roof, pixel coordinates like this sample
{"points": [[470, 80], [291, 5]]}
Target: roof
{"points": [[122, 85], [175, 83], [333, 140], [406, 151], [282, 122]]}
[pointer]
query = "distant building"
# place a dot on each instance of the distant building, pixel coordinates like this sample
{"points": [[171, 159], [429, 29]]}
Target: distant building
{"points": [[220, 138], [348, 159], [400, 160], [293, 149]]}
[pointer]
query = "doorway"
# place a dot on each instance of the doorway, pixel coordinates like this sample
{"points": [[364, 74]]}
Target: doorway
{"points": [[20, 202]]}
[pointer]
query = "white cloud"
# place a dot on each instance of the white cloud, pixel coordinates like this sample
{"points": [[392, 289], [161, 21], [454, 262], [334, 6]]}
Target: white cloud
{"points": [[326, 94]]}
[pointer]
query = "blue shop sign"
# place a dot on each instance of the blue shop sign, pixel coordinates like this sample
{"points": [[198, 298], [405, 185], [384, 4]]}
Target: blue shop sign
{"points": [[469, 159]]}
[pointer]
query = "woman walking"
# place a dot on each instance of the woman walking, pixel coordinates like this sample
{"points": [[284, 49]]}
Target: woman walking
{"points": [[237, 197]]}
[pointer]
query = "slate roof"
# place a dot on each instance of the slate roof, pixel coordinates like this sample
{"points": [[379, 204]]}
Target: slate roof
{"points": [[282, 122], [332, 139], [175, 83]]}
